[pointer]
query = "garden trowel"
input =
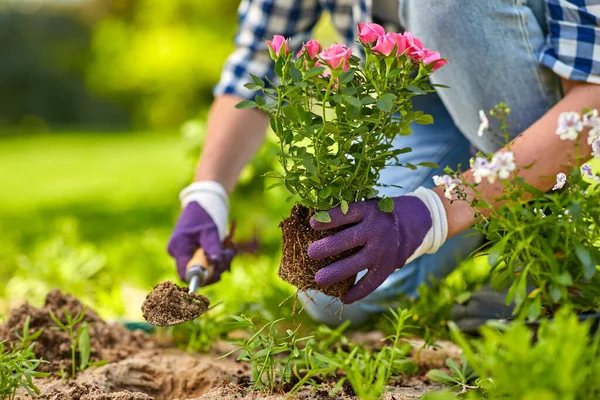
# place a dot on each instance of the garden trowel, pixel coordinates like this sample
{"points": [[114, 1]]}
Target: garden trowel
{"points": [[198, 271]]}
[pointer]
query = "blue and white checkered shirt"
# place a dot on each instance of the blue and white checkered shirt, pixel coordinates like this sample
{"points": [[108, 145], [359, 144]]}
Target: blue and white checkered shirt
{"points": [[573, 47], [572, 50]]}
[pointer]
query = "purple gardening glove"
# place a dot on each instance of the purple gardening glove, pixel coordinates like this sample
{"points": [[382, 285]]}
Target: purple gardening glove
{"points": [[197, 228], [417, 225]]}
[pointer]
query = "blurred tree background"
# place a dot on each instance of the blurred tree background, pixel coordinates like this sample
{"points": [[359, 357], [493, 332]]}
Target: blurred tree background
{"points": [[110, 63]]}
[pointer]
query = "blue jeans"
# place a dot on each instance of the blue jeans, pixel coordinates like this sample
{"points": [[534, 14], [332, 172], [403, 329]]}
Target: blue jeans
{"points": [[492, 48]]}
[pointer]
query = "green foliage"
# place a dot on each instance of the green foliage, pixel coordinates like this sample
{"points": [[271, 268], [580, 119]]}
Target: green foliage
{"points": [[562, 363], [460, 375], [78, 335], [367, 370], [162, 59], [270, 354], [543, 246], [18, 365], [17, 368], [335, 132]]}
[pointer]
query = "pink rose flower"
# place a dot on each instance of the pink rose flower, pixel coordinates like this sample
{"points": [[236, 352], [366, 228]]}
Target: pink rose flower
{"points": [[278, 47], [415, 47], [312, 48], [368, 33], [336, 56], [401, 43], [385, 44], [434, 57]]}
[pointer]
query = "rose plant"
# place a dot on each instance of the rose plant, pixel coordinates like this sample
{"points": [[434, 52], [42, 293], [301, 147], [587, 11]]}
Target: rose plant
{"points": [[335, 117], [544, 246]]}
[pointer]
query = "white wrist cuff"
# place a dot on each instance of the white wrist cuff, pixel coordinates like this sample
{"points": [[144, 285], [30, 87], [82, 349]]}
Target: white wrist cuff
{"points": [[436, 236], [213, 198]]}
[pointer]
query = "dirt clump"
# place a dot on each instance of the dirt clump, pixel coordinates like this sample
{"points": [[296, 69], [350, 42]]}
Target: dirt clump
{"points": [[169, 304], [107, 342], [86, 391], [299, 270]]}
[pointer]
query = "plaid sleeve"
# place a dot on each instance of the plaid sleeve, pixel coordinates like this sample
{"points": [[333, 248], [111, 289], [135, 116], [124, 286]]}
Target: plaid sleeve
{"points": [[573, 47], [259, 20]]}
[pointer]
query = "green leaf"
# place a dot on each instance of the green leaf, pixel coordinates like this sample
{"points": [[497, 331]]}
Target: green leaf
{"points": [[83, 345], [291, 113], [416, 90], [246, 104], [388, 96], [555, 293], [587, 260], [575, 210], [346, 77], [368, 100], [386, 204], [325, 192], [314, 72], [385, 105], [352, 101], [439, 376], [428, 164], [424, 119], [322, 216], [258, 81], [497, 251], [295, 74], [564, 279], [344, 207], [260, 100]]}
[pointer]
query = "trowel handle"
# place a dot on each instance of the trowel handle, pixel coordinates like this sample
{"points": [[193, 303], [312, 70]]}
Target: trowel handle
{"points": [[199, 260]]}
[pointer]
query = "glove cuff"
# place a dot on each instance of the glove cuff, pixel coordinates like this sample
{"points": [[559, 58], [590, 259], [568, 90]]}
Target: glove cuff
{"points": [[437, 234], [213, 198]]}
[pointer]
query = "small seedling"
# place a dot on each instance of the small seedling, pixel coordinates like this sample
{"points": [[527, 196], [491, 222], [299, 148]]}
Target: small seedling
{"points": [[26, 337], [270, 354], [460, 376], [18, 365], [367, 371], [79, 337]]}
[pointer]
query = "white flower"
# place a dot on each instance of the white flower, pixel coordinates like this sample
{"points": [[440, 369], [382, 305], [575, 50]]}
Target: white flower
{"points": [[590, 118], [539, 212], [586, 170], [596, 147], [485, 123], [448, 182], [482, 168], [569, 126], [504, 163], [561, 179]]}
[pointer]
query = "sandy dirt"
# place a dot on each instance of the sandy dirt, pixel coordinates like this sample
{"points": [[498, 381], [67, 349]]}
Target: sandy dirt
{"points": [[140, 369], [174, 374]]}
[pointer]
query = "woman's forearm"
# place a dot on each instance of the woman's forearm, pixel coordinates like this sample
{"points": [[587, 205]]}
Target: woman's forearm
{"points": [[233, 137], [539, 146]]}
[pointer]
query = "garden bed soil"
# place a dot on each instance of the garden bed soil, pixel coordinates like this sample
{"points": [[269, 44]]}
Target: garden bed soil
{"points": [[139, 368], [107, 342], [296, 268], [169, 304]]}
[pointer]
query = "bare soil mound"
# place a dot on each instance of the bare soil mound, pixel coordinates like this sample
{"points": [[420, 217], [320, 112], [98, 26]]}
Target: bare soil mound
{"points": [[107, 342], [76, 391]]}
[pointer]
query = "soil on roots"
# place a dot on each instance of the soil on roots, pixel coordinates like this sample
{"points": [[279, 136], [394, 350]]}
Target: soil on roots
{"points": [[299, 270], [107, 342], [169, 304]]}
